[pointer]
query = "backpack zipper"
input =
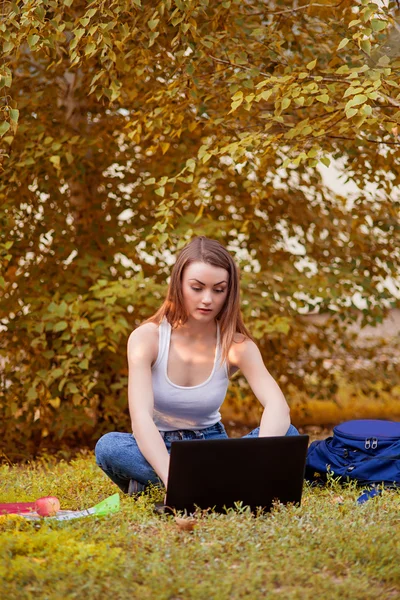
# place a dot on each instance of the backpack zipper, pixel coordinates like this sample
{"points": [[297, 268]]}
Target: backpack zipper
{"points": [[368, 444]]}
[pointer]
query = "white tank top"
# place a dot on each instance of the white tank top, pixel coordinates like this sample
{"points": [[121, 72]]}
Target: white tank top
{"points": [[180, 407]]}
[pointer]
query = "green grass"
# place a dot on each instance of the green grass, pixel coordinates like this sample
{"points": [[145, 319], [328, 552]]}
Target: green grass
{"points": [[323, 549]]}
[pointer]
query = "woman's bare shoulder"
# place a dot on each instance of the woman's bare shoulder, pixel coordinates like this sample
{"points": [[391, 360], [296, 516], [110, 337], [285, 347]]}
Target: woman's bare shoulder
{"points": [[145, 340], [239, 338], [238, 346]]}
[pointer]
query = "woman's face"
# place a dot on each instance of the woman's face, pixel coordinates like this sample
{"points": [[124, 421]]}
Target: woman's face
{"points": [[204, 287]]}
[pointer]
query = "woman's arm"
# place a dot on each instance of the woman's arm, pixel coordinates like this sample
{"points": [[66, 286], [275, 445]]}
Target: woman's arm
{"points": [[275, 419], [141, 403]]}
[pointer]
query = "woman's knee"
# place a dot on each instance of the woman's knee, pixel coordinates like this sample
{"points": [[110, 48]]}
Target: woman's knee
{"points": [[292, 430], [105, 448]]}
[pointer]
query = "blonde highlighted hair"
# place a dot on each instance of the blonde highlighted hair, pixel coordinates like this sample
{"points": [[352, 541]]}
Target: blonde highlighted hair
{"points": [[211, 252]]}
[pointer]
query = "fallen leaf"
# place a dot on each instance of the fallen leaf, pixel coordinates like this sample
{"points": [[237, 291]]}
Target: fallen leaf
{"points": [[185, 524], [337, 500]]}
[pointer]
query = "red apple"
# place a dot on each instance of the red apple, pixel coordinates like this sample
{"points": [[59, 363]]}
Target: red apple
{"points": [[47, 506]]}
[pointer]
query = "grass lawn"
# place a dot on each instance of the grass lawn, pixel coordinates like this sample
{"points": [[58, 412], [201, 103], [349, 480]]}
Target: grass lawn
{"points": [[329, 548]]}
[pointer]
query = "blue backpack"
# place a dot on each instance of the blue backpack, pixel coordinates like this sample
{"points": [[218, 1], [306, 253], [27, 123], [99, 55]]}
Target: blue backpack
{"points": [[367, 451]]}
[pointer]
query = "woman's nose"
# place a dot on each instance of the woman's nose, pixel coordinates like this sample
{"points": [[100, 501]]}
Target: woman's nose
{"points": [[206, 298]]}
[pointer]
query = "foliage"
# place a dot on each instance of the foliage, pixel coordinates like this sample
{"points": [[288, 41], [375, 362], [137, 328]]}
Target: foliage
{"points": [[128, 127], [328, 547]]}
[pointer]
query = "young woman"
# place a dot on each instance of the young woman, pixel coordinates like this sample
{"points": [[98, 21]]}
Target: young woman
{"points": [[180, 361]]}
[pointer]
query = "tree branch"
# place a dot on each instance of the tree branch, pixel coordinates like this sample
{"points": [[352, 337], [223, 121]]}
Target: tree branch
{"points": [[292, 10], [338, 137]]}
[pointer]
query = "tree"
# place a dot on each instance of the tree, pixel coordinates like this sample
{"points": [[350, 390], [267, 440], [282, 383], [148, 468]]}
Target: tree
{"points": [[129, 127]]}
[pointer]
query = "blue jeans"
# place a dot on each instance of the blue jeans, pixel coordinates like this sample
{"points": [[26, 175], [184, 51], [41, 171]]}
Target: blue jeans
{"points": [[118, 454]]}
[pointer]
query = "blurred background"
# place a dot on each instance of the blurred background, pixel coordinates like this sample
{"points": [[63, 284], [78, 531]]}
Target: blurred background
{"points": [[126, 129]]}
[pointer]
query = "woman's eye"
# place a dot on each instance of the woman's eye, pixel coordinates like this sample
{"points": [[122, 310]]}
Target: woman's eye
{"points": [[199, 290]]}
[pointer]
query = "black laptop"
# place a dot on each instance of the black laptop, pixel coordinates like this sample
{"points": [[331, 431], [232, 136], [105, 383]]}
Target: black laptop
{"points": [[218, 474]]}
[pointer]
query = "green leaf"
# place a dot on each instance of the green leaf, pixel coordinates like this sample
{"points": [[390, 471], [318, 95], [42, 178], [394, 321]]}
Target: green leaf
{"points": [[311, 64], [191, 165], [160, 191], [384, 61], [60, 326], [90, 48], [33, 40], [32, 394], [343, 43], [366, 46], [378, 24], [14, 115], [356, 101], [324, 98], [7, 47], [4, 127], [162, 238], [78, 34], [5, 81], [57, 373], [351, 112], [352, 91], [152, 24], [325, 161], [285, 103], [84, 364]]}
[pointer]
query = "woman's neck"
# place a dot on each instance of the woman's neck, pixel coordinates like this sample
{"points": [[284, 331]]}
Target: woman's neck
{"points": [[197, 330]]}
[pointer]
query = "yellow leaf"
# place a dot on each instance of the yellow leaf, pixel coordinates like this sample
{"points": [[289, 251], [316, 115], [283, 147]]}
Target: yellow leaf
{"points": [[235, 105], [55, 160], [236, 96], [265, 95], [55, 402]]}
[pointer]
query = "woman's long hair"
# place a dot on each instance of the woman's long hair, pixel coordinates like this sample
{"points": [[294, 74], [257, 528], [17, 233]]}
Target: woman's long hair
{"points": [[211, 252]]}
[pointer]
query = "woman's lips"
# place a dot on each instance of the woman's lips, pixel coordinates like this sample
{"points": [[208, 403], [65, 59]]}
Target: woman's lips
{"points": [[204, 309]]}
